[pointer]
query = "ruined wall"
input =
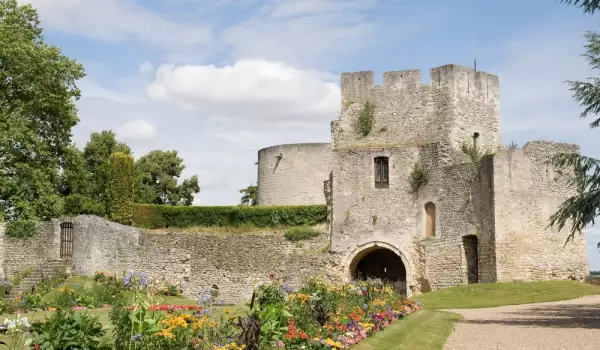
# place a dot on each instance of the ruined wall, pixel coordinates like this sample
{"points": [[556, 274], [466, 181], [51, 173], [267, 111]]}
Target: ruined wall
{"points": [[99, 244], [196, 261], [526, 193], [457, 103], [293, 174], [19, 254]]}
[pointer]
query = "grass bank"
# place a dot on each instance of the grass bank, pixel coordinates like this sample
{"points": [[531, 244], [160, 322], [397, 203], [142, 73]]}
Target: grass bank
{"points": [[424, 330], [499, 294]]}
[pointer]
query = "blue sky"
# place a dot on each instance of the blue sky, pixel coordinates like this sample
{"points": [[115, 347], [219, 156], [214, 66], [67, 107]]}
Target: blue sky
{"points": [[219, 79]]}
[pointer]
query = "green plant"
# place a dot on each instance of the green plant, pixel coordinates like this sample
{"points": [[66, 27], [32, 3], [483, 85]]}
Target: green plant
{"points": [[366, 119], [166, 216], [120, 190], [66, 329], [512, 146], [300, 233], [76, 204], [418, 177], [21, 228], [475, 153], [270, 293]]}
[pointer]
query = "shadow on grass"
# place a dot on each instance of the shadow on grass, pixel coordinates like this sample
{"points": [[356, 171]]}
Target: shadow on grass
{"points": [[552, 316]]}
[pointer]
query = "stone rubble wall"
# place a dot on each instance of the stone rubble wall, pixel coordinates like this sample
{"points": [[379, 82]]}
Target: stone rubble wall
{"points": [[527, 191], [235, 263], [32, 252]]}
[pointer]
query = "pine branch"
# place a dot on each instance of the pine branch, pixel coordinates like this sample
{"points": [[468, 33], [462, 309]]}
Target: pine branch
{"points": [[588, 6], [581, 209]]}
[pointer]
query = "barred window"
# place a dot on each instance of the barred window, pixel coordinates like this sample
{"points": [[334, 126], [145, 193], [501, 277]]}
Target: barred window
{"points": [[382, 172]]}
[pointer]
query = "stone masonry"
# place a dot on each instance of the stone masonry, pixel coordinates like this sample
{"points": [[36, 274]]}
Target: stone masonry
{"points": [[488, 216]]}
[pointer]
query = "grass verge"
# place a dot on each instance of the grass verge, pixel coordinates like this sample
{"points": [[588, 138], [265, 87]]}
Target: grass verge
{"points": [[424, 330], [499, 294]]}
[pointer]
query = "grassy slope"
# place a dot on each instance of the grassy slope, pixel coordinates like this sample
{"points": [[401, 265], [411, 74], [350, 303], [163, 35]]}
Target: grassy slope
{"points": [[499, 294], [424, 330]]}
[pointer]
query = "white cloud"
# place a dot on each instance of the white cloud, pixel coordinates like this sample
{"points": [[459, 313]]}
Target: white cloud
{"points": [[136, 130], [146, 67], [118, 21], [249, 91]]}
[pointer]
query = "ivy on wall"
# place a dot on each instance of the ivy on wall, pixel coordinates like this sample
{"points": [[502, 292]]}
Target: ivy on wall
{"points": [[366, 119], [120, 189], [418, 177]]}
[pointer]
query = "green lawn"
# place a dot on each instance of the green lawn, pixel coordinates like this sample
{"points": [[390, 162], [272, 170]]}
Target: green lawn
{"points": [[423, 330], [499, 294]]}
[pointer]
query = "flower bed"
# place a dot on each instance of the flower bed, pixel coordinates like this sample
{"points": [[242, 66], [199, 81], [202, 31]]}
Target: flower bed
{"points": [[318, 315]]}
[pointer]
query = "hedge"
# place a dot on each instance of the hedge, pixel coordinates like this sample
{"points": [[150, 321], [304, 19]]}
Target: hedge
{"points": [[165, 216]]}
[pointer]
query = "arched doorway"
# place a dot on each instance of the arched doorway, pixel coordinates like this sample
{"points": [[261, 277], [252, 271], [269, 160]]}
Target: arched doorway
{"points": [[380, 263]]}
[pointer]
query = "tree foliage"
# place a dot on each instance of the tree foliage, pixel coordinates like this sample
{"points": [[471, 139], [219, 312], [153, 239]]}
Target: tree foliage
{"points": [[96, 154], [120, 187], [581, 209], [37, 113], [588, 6], [158, 173], [249, 195]]}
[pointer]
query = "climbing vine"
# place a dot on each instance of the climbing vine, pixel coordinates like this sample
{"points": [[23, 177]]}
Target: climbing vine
{"points": [[418, 177], [366, 119]]}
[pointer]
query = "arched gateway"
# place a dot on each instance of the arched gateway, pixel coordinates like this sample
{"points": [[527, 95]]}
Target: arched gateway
{"points": [[377, 261]]}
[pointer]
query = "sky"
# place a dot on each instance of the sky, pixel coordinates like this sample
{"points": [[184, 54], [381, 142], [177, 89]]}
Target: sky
{"points": [[217, 80]]}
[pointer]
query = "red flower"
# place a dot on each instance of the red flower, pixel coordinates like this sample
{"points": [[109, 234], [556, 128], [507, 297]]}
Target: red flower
{"points": [[36, 347]]}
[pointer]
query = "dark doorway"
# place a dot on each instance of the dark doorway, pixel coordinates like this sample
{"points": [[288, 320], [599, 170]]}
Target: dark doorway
{"points": [[380, 263], [472, 256], [66, 240]]}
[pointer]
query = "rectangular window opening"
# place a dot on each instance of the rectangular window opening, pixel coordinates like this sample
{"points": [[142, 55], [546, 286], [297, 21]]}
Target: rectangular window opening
{"points": [[382, 172]]}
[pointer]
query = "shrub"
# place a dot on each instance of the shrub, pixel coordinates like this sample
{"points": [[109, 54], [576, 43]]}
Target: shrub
{"points": [[300, 233], [66, 329], [76, 204], [366, 119], [165, 216], [418, 177], [121, 188], [21, 228]]}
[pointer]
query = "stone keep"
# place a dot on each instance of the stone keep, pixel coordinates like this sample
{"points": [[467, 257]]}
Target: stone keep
{"points": [[474, 220]]}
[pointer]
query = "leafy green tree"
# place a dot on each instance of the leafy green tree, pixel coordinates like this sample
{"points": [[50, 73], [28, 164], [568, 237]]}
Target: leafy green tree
{"points": [[158, 172], [120, 189], [581, 209], [249, 195], [37, 112], [96, 155]]}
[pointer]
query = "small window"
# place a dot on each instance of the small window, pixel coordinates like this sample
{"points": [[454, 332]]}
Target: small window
{"points": [[382, 172], [430, 220]]}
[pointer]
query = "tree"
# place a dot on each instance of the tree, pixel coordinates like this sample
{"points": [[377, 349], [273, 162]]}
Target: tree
{"points": [[581, 209], [158, 173], [37, 113], [120, 189], [96, 155], [249, 195]]}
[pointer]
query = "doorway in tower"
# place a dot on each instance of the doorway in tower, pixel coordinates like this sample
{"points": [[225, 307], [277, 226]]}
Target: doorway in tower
{"points": [[472, 257], [380, 263]]}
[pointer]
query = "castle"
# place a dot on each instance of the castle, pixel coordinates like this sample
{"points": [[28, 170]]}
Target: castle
{"points": [[420, 189]]}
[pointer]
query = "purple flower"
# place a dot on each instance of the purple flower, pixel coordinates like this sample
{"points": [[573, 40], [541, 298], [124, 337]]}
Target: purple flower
{"points": [[288, 288], [137, 337]]}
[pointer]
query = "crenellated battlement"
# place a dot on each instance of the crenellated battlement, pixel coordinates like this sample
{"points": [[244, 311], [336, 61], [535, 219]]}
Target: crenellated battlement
{"points": [[462, 81]]}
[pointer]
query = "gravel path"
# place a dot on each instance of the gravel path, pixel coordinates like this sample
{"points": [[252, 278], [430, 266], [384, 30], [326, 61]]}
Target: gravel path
{"points": [[569, 324]]}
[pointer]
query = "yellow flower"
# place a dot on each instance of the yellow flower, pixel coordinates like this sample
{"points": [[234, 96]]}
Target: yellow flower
{"points": [[227, 312]]}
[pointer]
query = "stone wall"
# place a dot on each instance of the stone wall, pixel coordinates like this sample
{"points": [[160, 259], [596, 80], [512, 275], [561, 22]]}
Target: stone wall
{"points": [[457, 103], [23, 253], [293, 174], [196, 261], [526, 193]]}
